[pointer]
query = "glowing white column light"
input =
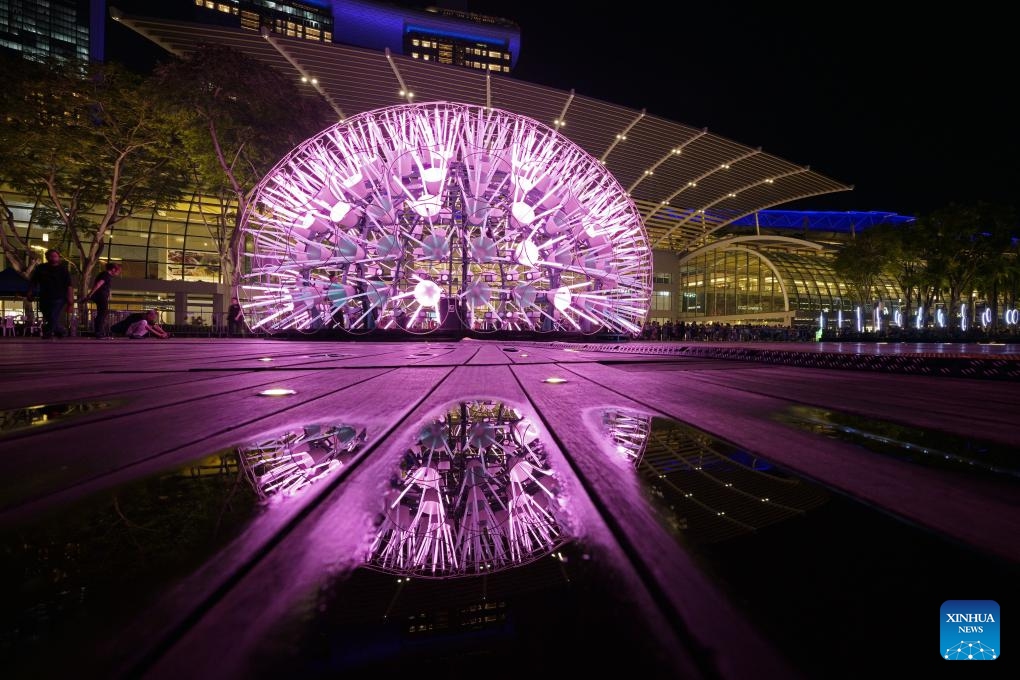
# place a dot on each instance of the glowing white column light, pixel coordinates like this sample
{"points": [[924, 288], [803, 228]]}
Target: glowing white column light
{"points": [[860, 322], [940, 317], [963, 316], [839, 319], [986, 317], [920, 317]]}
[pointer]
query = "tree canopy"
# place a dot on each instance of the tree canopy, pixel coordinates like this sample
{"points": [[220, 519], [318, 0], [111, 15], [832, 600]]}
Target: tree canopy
{"points": [[240, 118], [83, 140]]}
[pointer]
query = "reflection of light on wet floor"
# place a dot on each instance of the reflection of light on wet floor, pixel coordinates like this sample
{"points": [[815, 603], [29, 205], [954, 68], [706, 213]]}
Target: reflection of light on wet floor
{"points": [[924, 447], [809, 549], [78, 573], [44, 414], [475, 495]]}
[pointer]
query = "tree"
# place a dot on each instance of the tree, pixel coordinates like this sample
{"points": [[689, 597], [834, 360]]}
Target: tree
{"points": [[241, 117], [90, 142], [860, 263], [903, 254], [964, 244]]}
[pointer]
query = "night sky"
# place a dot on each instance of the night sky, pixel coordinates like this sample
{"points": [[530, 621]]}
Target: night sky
{"points": [[913, 110]]}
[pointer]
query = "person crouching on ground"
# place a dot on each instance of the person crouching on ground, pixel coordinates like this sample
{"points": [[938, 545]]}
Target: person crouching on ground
{"points": [[143, 327]]}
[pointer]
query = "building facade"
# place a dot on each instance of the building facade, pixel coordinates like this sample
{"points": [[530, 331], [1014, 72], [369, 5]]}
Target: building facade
{"points": [[65, 29], [773, 267]]}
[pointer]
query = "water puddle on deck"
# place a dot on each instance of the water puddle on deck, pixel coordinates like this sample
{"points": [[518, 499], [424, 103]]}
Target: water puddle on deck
{"points": [[78, 574], [961, 455], [474, 564], [15, 419], [809, 566]]}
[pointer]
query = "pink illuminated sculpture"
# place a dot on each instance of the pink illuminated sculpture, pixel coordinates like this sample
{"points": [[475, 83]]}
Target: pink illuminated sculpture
{"points": [[286, 464], [473, 496], [400, 216]]}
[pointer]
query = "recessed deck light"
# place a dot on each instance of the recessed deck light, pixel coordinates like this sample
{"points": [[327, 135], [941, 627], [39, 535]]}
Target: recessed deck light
{"points": [[277, 392]]}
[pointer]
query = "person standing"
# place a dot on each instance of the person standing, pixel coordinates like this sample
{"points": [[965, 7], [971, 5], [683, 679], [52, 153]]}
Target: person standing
{"points": [[235, 319], [55, 293], [100, 294]]}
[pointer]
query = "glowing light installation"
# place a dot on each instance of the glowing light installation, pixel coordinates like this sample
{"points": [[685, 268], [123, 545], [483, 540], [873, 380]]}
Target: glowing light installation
{"points": [[286, 464], [628, 433], [396, 216], [473, 496]]}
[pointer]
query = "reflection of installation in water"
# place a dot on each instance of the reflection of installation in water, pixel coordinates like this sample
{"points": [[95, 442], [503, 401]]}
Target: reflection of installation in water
{"points": [[473, 496], [398, 217], [936, 449], [287, 463], [704, 487]]}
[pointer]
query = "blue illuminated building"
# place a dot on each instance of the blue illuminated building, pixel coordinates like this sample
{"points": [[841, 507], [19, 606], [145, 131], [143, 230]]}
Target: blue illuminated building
{"points": [[437, 34]]}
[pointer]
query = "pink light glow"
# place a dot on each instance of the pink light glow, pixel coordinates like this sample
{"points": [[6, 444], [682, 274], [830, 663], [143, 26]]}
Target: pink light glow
{"points": [[475, 496], [384, 200]]}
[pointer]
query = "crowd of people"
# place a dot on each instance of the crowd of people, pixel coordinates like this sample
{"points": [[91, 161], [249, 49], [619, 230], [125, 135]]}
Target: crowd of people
{"points": [[693, 331]]}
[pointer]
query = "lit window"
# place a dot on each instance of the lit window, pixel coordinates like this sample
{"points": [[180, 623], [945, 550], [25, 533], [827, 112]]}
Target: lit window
{"points": [[416, 42], [495, 55], [506, 69], [425, 57], [660, 300], [415, 55], [494, 67]]}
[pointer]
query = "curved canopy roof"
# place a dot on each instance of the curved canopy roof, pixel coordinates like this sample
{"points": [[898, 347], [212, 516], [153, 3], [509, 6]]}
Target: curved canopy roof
{"points": [[685, 181]]}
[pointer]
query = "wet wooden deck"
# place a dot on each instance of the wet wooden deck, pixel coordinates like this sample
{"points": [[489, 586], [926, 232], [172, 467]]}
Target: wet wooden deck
{"points": [[121, 410]]}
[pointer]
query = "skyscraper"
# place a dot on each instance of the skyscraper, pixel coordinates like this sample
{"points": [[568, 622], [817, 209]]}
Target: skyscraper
{"points": [[66, 29]]}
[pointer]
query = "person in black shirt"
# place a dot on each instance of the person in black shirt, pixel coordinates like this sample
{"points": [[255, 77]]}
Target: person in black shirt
{"points": [[235, 319], [55, 293], [100, 294]]}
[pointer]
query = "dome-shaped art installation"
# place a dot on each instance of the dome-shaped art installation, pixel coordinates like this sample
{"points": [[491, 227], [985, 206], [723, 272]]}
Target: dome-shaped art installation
{"points": [[434, 215], [474, 495]]}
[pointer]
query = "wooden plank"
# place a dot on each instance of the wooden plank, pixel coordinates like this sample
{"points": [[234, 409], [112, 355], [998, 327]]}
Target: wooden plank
{"points": [[332, 528], [377, 405], [572, 411], [979, 514], [490, 353], [921, 401], [47, 461]]}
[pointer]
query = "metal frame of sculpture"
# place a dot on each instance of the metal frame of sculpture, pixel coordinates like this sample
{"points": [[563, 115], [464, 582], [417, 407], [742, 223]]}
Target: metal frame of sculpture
{"points": [[400, 217], [474, 495]]}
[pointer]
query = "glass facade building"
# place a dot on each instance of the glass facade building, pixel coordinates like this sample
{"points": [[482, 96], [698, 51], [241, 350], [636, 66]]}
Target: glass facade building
{"points": [[746, 285], [39, 30], [170, 259]]}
